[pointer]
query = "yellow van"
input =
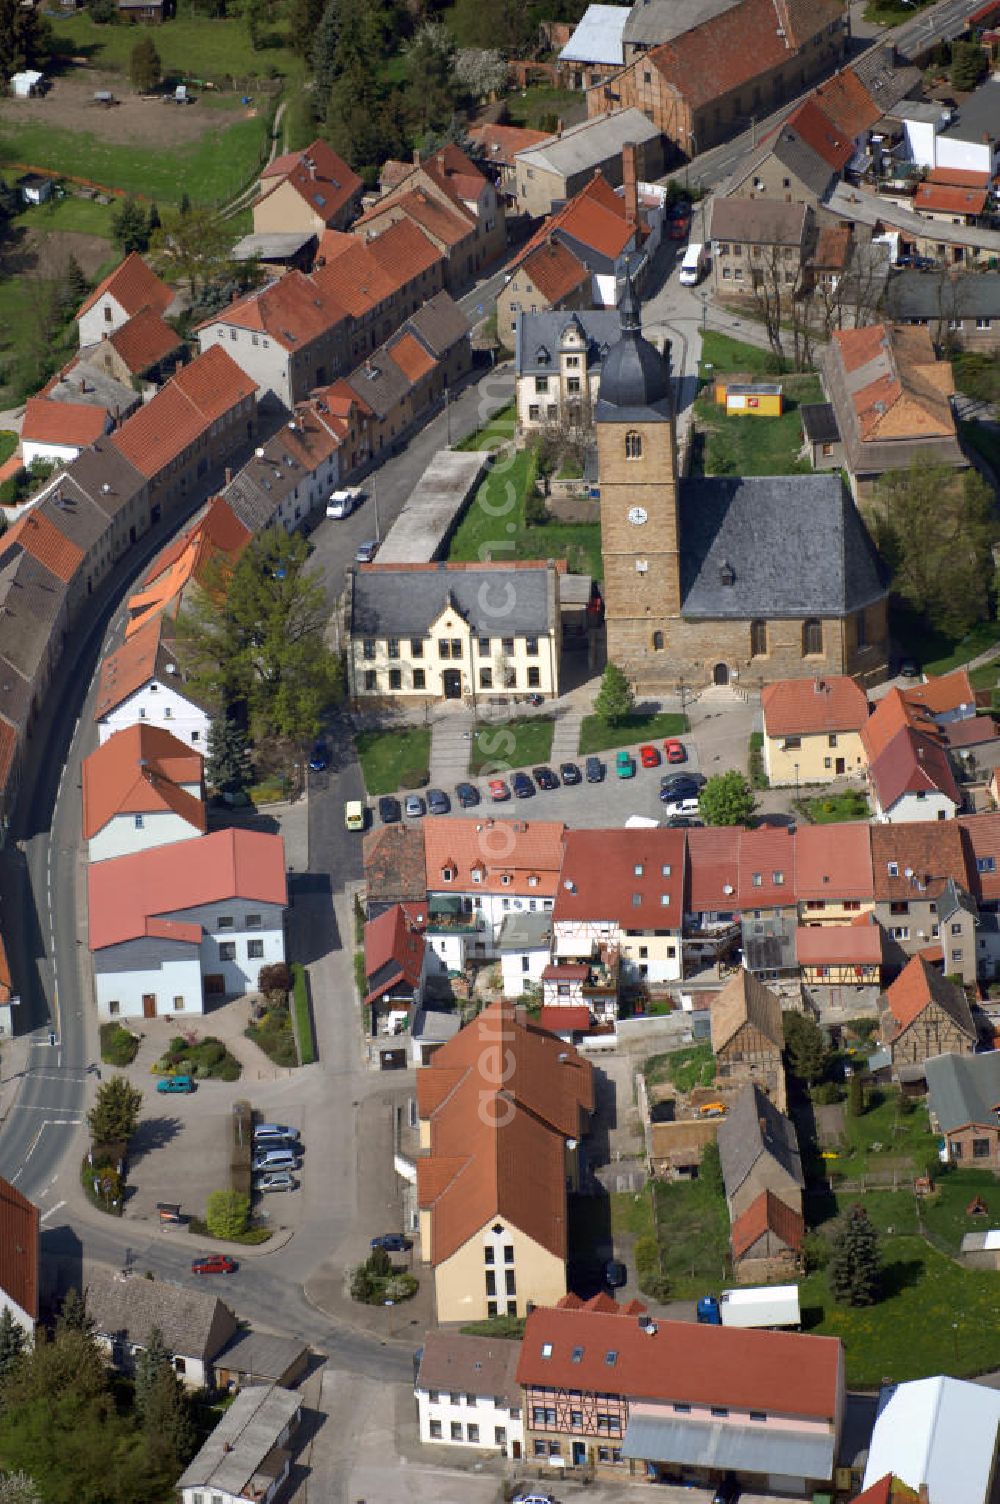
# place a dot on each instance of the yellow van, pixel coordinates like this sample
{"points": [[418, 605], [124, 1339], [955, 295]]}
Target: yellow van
{"points": [[354, 814]]}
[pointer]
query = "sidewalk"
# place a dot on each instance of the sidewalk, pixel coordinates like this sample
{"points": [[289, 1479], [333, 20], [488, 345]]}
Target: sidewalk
{"points": [[451, 742]]}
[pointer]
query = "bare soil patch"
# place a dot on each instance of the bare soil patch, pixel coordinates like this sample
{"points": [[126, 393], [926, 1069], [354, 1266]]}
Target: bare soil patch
{"points": [[46, 253], [133, 121]]}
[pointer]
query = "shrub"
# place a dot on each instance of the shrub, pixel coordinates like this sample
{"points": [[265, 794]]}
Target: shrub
{"points": [[827, 1093], [119, 1046], [401, 1287], [227, 1214], [815, 1252], [275, 978], [379, 1263], [361, 1284], [229, 1070]]}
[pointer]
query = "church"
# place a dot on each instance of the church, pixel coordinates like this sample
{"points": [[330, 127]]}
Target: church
{"points": [[723, 579]]}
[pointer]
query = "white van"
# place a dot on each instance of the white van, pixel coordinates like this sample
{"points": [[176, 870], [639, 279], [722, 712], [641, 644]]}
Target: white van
{"points": [[681, 807], [342, 503], [694, 265]]}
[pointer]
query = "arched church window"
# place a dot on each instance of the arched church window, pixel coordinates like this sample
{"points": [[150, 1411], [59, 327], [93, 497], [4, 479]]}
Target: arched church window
{"points": [[758, 639], [658, 642], [633, 445]]}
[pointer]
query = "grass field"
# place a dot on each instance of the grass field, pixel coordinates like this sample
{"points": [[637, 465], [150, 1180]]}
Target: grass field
{"points": [[514, 744], [495, 526], [597, 735], [8, 443], [902, 1135], [19, 330], [754, 446], [985, 441], [190, 46], [827, 809], [496, 431], [210, 170], [694, 1236], [720, 352], [532, 107], [392, 760], [81, 216], [686, 1069]]}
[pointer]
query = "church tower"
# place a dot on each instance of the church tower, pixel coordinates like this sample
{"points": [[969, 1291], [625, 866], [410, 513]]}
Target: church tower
{"points": [[637, 472]]}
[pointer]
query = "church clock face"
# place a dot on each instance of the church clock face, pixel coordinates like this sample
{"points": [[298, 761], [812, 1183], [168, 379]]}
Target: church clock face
{"points": [[637, 516]]}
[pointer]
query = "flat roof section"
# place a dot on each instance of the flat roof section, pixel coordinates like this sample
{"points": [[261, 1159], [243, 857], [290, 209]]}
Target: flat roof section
{"points": [[424, 527]]}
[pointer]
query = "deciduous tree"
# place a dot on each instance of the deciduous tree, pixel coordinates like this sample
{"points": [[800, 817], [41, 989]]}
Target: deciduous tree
{"points": [[969, 63], [855, 1269], [727, 799], [73, 1315], [615, 699], [481, 71], [115, 1113], [806, 1047], [144, 66], [12, 1342], [192, 245], [430, 75], [227, 1213]]}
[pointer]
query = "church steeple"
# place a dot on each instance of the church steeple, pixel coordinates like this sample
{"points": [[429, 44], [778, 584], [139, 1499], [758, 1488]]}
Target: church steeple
{"points": [[635, 377]]}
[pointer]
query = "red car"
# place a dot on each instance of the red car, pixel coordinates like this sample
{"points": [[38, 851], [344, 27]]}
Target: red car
{"points": [[648, 756], [674, 750], [498, 790], [214, 1263]]}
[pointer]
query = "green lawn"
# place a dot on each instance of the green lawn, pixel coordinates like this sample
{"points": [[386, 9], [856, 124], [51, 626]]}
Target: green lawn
{"points": [[755, 761], [754, 446], [496, 431], [720, 352], [20, 334], [985, 634], [190, 46], [8, 443], [632, 1214], [693, 1227], [986, 676], [212, 169], [828, 809], [494, 525], [82, 215], [597, 735], [512, 744], [901, 1129], [393, 760], [687, 1069], [303, 1018], [536, 106], [935, 1317], [944, 1215]]}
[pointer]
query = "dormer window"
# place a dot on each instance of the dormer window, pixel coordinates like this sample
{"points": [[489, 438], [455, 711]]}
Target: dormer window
{"points": [[533, 880], [505, 879], [727, 574], [542, 356], [638, 869], [893, 868], [447, 874], [477, 874]]}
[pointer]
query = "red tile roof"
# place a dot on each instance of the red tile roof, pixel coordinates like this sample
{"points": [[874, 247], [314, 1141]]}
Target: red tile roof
{"points": [[595, 217], [833, 862], [713, 860], [624, 876], [782, 1373], [943, 199], [555, 271], [912, 763], [767, 1214], [501, 143], [326, 186], [887, 1490], [403, 251], [517, 849], [410, 356], [145, 340], [846, 102], [497, 1141], [931, 851], [918, 985], [805, 707], [392, 942], [140, 770], [292, 310], [19, 1248], [128, 892], [895, 712], [128, 668], [196, 397], [47, 422], [943, 693], [445, 222], [819, 133], [958, 177], [133, 286], [907, 391], [766, 867], [981, 834], [205, 553], [39, 536], [572, 1020], [840, 944]]}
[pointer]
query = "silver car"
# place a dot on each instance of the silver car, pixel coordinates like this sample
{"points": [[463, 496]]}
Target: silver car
{"points": [[276, 1180]]}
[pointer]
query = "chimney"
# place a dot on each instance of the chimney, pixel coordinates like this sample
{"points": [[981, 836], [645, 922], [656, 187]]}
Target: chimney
{"points": [[923, 1494], [416, 156], [229, 475], [629, 179]]}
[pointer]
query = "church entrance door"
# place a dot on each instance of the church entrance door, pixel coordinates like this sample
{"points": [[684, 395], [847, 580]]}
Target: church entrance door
{"points": [[720, 674]]}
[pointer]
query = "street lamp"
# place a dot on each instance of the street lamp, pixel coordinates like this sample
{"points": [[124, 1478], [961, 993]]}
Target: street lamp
{"points": [[796, 783]]}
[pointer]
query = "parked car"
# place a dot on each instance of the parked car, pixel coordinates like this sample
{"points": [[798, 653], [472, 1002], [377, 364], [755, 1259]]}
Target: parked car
{"points": [[682, 783], [389, 810], [569, 772], [683, 822], [676, 807], [392, 1242], [625, 764], [355, 815], [595, 770], [438, 802], [909, 668], [727, 1492], [648, 756], [214, 1263], [366, 552], [615, 1274], [467, 794], [176, 1083], [498, 790], [276, 1180], [414, 806], [674, 750], [342, 503], [319, 757], [533, 1496], [545, 778], [274, 1130], [522, 786], [273, 1159]]}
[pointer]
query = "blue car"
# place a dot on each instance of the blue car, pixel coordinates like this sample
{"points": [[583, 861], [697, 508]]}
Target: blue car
{"points": [[319, 757], [522, 786]]}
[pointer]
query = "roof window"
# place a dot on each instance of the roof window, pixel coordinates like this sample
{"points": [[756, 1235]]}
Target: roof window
{"points": [[546, 1349], [577, 1355], [611, 1357]]}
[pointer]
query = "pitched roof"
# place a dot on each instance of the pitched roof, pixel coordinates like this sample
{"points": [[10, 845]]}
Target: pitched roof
{"points": [[958, 177], [821, 134], [127, 892], [133, 286], [444, 222], [19, 1233], [846, 102], [805, 707], [410, 356], [518, 850], [893, 713], [785, 1373], [140, 770], [796, 546], [752, 1128], [758, 221], [564, 1020], [394, 952], [38, 535], [498, 1150], [767, 867], [964, 1089], [941, 1432], [840, 944], [405, 600], [145, 340], [912, 762], [201, 553], [135, 1306], [554, 270], [320, 178], [887, 1490], [634, 877], [981, 835], [943, 198], [897, 387], [590, 143], [744, 1000], [594, 218], [920, 984], [469, 1365], [713, 863], [292, 310], [833, 860], [767, 1214], [181, 412], [47, 422], [943, 693], [32, 601], [395, 869], [500, 143], [132, 665], [106, 476], [914, 859]]}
